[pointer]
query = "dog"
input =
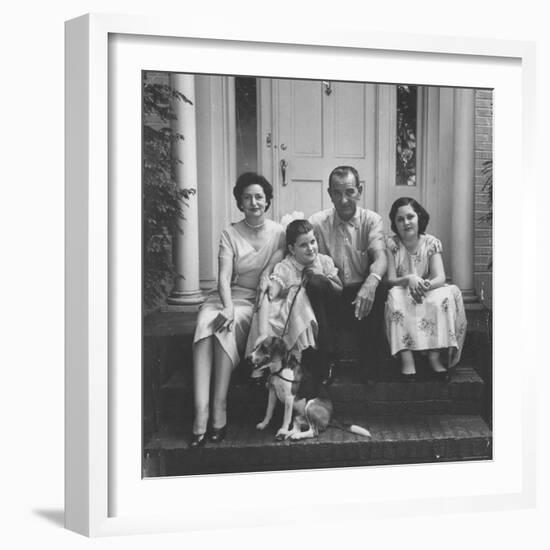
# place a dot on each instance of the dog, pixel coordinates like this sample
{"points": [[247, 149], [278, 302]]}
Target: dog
{"points": [[292, 384]]}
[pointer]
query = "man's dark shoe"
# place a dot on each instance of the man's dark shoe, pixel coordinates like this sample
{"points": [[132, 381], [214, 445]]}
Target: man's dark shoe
{"points": [[329, 378]]}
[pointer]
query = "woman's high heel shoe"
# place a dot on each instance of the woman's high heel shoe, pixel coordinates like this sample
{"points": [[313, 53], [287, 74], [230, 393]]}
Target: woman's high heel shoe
{"points": [[441, 376], [198, 440], [409, 377], [218, 434]]}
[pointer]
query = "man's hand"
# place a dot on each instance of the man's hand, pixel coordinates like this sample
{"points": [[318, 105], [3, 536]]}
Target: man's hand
{"points": [[365, 298]]}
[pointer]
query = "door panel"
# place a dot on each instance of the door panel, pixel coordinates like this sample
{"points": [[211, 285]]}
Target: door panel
{"points": [[304, 114], [309, 197], [313, 133], [349, 120]]}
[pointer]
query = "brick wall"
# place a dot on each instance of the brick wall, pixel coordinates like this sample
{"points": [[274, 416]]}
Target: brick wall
{"points": [[483, 239]]}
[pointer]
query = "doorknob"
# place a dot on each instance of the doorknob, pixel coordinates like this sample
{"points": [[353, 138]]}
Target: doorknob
{"points": [[283, 164]]}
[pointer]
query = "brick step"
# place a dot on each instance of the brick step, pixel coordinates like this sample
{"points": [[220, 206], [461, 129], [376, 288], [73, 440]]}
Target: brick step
{"points": [[395, 440], [462, 394]]}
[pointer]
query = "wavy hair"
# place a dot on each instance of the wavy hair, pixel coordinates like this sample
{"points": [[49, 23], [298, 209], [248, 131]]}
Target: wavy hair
{"points": [[423, 216], [252, 178]]}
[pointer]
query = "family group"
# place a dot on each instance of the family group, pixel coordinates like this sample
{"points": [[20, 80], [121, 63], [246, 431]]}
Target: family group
{"points": [[309, 281]]}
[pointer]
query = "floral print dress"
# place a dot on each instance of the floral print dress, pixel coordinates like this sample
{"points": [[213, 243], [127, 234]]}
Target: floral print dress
{"points": [[439, 322]]}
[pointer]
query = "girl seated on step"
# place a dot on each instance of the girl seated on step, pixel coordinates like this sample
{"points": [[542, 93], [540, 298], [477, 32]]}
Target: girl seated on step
{"points": [[422, 312], [301, 298]]}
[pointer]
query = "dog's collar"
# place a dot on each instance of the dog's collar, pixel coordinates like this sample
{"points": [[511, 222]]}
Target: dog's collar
{"points": [[279, 375]]}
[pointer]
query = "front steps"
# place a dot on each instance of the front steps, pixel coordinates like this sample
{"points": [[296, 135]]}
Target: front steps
{"points": [[423, 421], [462, 394], [395, 440]]}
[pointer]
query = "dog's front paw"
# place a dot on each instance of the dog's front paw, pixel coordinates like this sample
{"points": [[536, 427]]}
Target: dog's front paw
{"points": [[262, 425], [292, 434], [281, 434]]}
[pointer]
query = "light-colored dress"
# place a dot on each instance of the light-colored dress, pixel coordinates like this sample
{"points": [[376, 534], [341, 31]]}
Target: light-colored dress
{"points": [[301, 331], [439, 321], [248, 263]]}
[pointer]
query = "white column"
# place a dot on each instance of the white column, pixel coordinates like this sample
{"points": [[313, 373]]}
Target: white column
{"points": [[462, 234], [186, 291]]}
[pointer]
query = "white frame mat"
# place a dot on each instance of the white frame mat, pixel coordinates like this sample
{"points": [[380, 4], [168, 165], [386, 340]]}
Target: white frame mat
{"points": [[105, 493]]}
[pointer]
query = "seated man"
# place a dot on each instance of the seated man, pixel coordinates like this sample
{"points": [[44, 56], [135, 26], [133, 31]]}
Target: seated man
{"points": [[352, 236]]}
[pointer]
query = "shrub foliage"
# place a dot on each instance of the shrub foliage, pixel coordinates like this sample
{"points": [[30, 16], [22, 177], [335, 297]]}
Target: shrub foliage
{"points": [[163, 201]]}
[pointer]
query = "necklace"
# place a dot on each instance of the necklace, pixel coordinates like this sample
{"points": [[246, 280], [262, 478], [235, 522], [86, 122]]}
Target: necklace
{"points": [[255, 227], [415, 248]]}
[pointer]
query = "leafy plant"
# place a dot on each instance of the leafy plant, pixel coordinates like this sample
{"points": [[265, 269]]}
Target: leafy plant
{"points": [[487, 172], [163, 201]]}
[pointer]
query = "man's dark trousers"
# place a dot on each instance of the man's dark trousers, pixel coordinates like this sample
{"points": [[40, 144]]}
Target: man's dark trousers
{"points": [[335, 312]]}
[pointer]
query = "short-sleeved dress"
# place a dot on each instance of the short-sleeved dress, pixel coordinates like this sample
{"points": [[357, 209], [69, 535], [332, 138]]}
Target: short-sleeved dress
{"points": [[301, 331], [248, 263], [436, 323]]}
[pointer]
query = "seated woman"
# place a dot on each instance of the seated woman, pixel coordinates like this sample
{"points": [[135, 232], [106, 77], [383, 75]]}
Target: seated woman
{"points": [[248, 251], [300, 316], [422, 311]]}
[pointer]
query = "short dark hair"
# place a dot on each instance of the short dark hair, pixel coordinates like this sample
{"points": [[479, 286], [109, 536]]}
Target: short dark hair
{"points": [[423, 216], [296, 228], [252, 178], [341, 172]]}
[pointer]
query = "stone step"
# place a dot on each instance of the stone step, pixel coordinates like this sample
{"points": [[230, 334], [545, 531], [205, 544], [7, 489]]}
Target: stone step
{"points": [[461, 394], [395, 440]]}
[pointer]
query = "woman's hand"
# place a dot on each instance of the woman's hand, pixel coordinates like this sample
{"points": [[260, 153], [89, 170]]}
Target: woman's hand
{"points": [[259, 340], [263, 287], [310, 271], [417, 287], [224, 320]]}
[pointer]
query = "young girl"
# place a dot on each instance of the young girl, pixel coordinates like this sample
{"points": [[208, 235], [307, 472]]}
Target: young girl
{"points": [[422, 311], [303, 265]]}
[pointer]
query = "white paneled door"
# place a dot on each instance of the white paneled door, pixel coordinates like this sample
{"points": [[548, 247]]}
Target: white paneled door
{"points": [[308, 127], [316, 127]]}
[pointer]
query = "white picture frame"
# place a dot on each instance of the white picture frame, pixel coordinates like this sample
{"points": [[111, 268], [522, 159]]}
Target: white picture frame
{"points": [[102, 424]]}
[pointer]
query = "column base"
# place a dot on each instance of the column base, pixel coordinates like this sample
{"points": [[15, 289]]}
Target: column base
{"points": [[169, 308], [184, 301], [469, 296]]}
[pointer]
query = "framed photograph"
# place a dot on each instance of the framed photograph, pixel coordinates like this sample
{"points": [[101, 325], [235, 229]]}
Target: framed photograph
{"points": [[191, 154]]}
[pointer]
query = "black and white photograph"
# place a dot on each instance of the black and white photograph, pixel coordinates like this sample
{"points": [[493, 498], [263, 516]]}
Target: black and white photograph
{"points": [[317, 274], [260, 289]]}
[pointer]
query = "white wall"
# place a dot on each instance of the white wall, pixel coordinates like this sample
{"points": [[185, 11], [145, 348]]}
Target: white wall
{"points": [[32, 271]]}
